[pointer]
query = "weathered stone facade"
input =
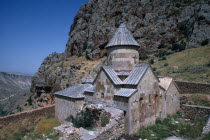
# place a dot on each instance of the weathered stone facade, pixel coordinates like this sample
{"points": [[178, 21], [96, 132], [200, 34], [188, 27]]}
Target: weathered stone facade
{"points": [[66, 107], [125, 85], [123, 57]]}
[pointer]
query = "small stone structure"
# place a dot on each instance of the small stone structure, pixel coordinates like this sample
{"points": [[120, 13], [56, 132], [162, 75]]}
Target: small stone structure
{"points": [[123, 84]]}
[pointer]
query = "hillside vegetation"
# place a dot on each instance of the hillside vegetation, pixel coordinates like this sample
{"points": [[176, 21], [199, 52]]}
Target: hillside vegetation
{"points": [[188, 65], [30, 129]]}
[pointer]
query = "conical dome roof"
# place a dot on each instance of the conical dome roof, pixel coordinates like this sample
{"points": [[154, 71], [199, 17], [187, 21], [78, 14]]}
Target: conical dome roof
{"points": [[122, 37]]}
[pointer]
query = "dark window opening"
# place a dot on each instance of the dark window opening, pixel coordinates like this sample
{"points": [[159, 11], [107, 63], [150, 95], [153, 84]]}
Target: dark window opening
{"points": [[102, 95]]}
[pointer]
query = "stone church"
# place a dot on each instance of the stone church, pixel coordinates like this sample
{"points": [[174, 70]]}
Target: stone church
{"points": [[125, 84]]}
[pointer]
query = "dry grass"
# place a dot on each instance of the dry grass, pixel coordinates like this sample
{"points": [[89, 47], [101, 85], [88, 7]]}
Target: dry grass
{"points": [[86, 65], [34, 128], [196, 99], [45, 126], [179, 63]]}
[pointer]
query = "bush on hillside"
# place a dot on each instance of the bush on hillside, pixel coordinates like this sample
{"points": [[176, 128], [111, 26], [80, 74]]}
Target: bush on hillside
{"points": [[178, 47], [143, 57], [84, 119], [205, 42]]}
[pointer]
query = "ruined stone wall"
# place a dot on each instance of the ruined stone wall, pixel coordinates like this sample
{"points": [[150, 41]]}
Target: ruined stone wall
{"points": [[193, 111], [64, 107], [114, 128], [190, 87], [44, 111], [172, 100], [122, 58]]}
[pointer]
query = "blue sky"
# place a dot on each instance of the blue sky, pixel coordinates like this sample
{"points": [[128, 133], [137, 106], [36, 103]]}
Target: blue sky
{"points": [[30, 30]]}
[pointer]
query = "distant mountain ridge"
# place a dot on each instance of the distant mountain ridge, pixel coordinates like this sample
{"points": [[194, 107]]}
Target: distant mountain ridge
{"points": [[12, 82], [14, 90]]}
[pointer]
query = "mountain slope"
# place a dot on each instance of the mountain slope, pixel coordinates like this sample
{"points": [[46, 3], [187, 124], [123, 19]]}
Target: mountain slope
{"points": [[188, 65], [14, 90]]}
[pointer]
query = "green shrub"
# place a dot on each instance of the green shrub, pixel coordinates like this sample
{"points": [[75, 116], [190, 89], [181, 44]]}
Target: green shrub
{"points": [[163, 128], [151, 61], [90, 12], [183, 29], [162, 45], [30, 101], [85, 45], [178, 4], [163, 58], [84, 119], [206, 137], [208, 65], [161, 53], [205, 42], [173, 40], [143, 57], [178, 47], [166, 64], [117, 24], [104, 121]]}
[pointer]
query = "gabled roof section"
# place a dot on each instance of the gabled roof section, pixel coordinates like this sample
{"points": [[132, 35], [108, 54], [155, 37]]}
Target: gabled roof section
{"points": [[75, 92], [165, 82], [112, 75], [88, 81], [123, 73], [90, 89], [136, 74], [125, 92], [122, 37]]}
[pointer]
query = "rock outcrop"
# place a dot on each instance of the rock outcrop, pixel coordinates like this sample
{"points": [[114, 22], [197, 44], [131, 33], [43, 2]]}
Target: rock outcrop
{"points": [[154, 24]]}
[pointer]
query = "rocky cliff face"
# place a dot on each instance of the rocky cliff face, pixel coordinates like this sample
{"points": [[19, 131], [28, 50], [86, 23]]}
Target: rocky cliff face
{"points": [[154, 24], [14, 91]]}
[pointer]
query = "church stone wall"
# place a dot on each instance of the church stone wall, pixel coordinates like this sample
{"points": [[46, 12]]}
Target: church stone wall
{"points": [[162, 108], [122, 58], [144, 105], [172, 99], [104, 89], [64, 107]]}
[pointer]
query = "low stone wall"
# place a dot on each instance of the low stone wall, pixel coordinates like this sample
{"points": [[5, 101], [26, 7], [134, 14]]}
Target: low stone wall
{"points": [[190, 87], [195, 112], [113, 128], [44, 111]]}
